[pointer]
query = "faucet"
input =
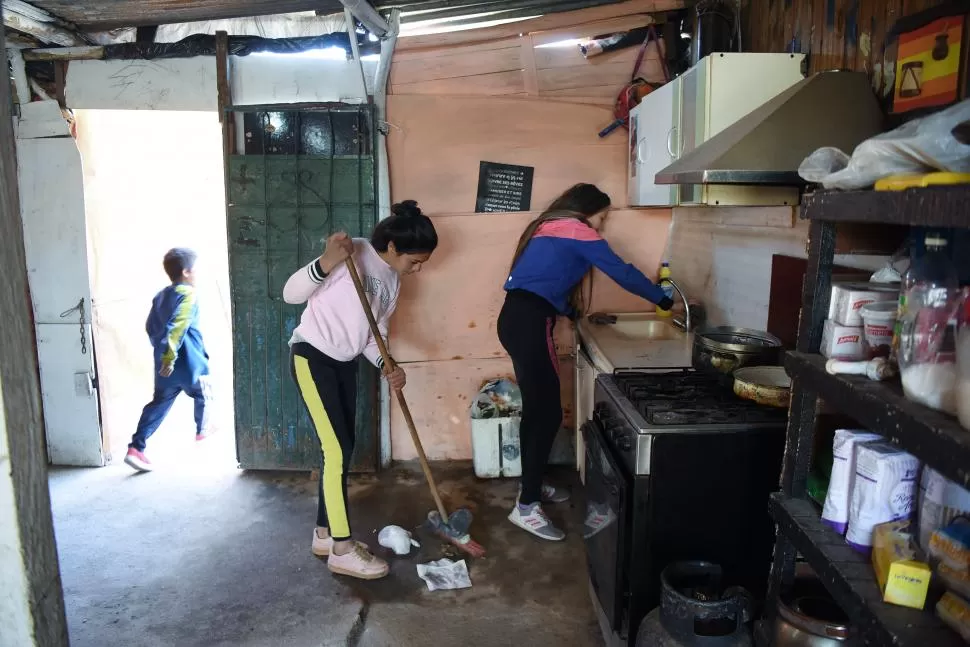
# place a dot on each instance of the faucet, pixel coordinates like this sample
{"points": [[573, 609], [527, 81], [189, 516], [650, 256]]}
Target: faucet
{"points": [[683, 297]]}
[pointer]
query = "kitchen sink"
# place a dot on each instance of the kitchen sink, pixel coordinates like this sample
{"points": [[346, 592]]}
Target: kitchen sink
{"points": [[646, 327]]}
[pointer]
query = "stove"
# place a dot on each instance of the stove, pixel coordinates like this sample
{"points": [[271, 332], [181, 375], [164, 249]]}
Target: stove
{"points": [[634, 407], [677, 468]]}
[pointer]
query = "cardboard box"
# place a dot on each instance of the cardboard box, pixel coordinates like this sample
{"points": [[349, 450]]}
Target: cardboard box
{"points": [[903, 578], [843, 342], [847, 299]]}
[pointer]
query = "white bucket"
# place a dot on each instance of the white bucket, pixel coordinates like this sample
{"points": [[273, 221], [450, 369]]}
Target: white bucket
{"points": [[878, 319]]}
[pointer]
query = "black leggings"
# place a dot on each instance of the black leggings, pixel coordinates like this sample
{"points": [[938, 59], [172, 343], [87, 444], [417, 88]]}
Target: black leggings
{"points": [[329, 391], [525, 328]]}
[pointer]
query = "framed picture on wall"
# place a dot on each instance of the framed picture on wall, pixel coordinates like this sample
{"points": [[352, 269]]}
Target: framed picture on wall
{"points": [[931, 60]]}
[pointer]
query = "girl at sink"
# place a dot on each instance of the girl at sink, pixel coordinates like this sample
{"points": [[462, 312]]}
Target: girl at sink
{"points": [[555, 253]]}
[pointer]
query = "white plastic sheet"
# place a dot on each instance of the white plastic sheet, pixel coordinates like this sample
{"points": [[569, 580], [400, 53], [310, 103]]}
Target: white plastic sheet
{"points": [[919, 146]]}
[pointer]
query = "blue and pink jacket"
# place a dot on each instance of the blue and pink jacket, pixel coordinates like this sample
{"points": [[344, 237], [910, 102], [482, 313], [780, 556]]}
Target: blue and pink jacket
{"points": [[561, 252]]}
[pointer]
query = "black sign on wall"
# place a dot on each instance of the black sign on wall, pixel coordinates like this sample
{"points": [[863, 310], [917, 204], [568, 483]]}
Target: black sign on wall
{"points": [[503, 187]]}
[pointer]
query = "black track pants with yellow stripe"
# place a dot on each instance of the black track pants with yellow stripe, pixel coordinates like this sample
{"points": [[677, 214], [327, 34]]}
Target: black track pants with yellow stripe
{"points": [[329, 391]]}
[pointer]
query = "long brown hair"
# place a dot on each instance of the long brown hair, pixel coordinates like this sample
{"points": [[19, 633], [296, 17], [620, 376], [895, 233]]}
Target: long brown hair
{"points": [[579, 202]]}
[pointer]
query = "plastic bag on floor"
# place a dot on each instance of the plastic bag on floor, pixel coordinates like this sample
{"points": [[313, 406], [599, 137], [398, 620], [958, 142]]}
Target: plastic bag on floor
{"points": [[932, 143], [445, 574], [498, 398], [397, 539]]}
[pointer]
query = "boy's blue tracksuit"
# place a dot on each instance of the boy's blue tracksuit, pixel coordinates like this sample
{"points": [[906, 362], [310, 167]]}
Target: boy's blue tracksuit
{"points": [[173, 328]]}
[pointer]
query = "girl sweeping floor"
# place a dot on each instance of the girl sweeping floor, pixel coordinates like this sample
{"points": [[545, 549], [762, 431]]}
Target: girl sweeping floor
{"points": [[555, 253], [332, 332]]}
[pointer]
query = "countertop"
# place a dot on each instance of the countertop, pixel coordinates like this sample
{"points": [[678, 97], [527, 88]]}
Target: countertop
{"points": [[629, 343]]}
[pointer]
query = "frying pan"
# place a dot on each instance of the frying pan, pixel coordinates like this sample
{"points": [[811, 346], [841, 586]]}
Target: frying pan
{"points": [[767, 385]]}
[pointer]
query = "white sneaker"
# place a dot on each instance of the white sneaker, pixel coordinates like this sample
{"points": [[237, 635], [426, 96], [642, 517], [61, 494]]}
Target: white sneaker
{"points": [[359, 563], [533, 519], [597, 518], [322, 546]]}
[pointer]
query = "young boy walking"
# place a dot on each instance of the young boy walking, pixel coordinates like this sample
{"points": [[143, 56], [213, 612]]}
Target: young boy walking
{"points": [[181, 362]]}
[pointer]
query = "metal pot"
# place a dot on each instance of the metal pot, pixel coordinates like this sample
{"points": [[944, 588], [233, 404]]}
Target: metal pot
{"points": [[723, 349], [811, 622]]}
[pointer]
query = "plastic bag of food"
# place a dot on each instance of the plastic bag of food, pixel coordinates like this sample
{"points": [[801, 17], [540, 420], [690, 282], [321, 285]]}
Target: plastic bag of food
{"points": [[919, 146], [884, 490], [835, 512], [940, 502], [498, 398]]}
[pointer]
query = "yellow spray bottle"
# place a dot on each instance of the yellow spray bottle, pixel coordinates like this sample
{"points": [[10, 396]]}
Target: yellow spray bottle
{"points": [[666, 286]]}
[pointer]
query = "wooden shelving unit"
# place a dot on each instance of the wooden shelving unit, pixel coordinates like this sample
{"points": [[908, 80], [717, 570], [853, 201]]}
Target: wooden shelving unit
{"points": [[933, 437]]}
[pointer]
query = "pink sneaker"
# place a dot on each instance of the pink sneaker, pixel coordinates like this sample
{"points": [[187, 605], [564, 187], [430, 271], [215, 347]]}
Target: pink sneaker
{"points": [[359, 563], [321, 547], [138, 461]]}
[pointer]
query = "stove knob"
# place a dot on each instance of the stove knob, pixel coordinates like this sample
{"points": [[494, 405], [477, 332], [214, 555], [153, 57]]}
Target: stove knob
{"points": [[624, 443]]}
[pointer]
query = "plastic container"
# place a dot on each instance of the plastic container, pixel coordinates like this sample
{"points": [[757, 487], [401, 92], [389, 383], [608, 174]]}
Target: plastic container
{"points": [[495, 430], [666, 286], [879, 319], [927, 338], [963, 362], [927, 348]]}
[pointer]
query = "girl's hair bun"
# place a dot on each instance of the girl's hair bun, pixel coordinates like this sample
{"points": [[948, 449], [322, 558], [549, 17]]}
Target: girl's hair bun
{"points": [[406, 209]]}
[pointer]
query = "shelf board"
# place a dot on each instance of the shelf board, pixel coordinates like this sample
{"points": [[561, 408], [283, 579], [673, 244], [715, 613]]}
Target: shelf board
{"points": [[850, 580], [935, 438], [938, 206]]}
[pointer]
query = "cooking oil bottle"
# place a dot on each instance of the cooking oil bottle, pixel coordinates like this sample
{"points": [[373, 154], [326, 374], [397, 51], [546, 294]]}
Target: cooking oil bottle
{"points": [[666, 286]]}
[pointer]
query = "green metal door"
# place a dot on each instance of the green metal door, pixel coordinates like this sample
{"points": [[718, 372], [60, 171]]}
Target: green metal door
{"points": [[303, 176]]}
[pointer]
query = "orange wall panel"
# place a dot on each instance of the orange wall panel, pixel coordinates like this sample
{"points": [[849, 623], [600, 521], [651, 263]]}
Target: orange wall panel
{"points": [[444, 328], [436, 144], [639, 236], [440, 394], [449, 310]]}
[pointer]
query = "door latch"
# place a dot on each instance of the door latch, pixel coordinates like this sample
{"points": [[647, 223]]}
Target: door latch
{"points": [[84, 384]]}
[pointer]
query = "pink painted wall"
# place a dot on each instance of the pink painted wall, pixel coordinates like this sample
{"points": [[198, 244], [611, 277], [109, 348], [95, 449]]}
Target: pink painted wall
{"points": [[444, 329]]}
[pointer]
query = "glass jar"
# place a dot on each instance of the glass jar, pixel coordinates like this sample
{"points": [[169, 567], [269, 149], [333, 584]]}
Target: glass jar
{"points": [[963, 361], [927, 346]]}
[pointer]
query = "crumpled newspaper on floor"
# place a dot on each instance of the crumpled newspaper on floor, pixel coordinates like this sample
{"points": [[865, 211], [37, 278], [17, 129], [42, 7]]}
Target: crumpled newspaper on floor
{"points": [[445, 574]]}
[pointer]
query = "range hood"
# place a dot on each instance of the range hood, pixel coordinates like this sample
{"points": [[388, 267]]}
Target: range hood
{"points": [[767, 145]]}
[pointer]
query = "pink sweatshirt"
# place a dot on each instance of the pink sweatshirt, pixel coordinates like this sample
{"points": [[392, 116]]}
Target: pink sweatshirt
{"points": [[334, 322]]}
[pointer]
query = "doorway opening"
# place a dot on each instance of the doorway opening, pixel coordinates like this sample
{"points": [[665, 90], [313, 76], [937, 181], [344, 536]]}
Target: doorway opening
{"points": [[154, 180]]}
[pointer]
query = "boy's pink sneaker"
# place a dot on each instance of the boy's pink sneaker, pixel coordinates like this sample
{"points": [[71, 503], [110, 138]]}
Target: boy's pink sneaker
{"points": [[138, 461], [359, 563]]}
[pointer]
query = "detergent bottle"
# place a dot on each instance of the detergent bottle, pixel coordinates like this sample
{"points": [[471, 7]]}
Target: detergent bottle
{"points": [[666, 286]]}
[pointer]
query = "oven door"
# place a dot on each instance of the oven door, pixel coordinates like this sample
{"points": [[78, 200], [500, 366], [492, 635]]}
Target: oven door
{"points": [[607, 492]]}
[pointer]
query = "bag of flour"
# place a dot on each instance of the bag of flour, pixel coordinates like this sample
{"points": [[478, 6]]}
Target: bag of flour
{"points": [[884, 490], [940, 502], [835, 512]]}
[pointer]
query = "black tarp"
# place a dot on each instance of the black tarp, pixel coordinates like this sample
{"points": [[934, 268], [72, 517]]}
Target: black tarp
{"points": [[205, 45]]}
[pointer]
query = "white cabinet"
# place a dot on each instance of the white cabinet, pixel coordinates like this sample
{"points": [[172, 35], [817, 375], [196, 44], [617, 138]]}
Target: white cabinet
{"points": [[654, 144], [583, 406], [705, 100]]}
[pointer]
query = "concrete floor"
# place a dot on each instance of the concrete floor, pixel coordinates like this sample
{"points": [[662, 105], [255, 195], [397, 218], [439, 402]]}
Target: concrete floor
{"points": [[198, 553]]}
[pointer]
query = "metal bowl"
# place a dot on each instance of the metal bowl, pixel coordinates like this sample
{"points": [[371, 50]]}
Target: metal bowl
{"points": [[724, 349]]}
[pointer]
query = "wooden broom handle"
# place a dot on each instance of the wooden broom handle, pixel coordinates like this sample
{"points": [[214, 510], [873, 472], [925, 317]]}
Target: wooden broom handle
{"points": [[402, 402]]}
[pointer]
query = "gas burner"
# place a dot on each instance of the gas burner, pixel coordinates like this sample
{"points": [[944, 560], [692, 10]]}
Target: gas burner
{"points": [[689, 398]]}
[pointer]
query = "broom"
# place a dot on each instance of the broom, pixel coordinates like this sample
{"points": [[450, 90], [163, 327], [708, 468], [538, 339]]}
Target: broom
{"points": [[454, 528]]}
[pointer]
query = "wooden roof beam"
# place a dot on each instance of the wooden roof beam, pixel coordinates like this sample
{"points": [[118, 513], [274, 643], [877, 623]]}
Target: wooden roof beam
{"points": [[30, 20]]}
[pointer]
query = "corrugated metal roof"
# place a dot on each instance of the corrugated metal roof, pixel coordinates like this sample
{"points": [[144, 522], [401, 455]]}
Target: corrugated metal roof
{"points": [[107, 14]]}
